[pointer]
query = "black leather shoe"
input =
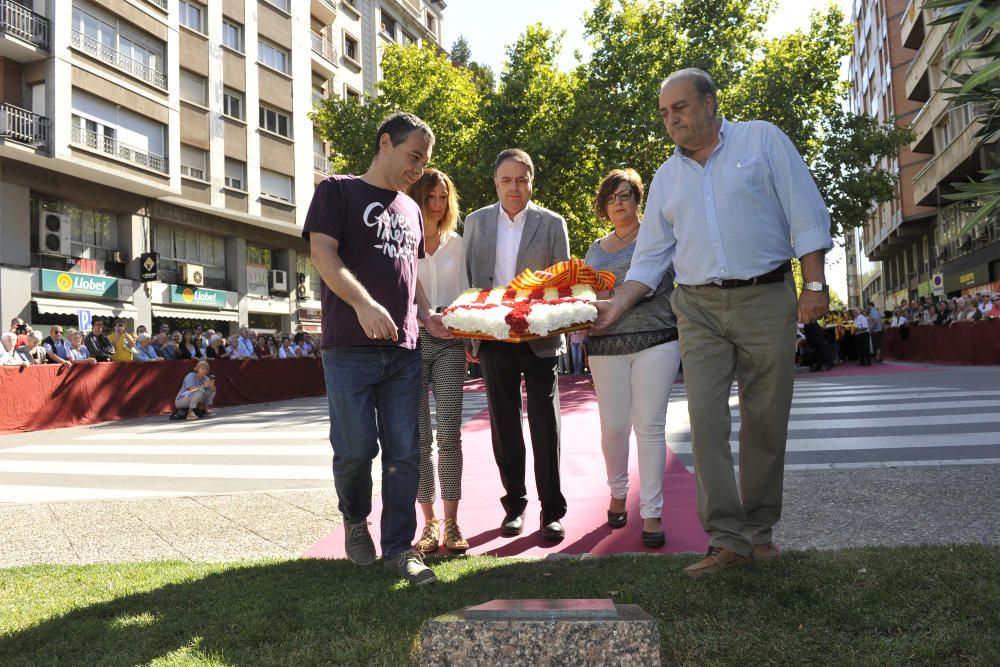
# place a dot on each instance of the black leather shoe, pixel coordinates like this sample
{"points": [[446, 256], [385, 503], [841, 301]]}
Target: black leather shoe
{"points": [[617, 519], [512, 525], [653, 540], [552, 530]]}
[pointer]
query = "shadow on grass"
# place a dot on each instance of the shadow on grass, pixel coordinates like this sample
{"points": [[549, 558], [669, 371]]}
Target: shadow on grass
{"points": [[929, 605]]}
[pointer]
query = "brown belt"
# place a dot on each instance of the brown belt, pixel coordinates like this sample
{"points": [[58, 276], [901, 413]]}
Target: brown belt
{"points": [[775, 276]]}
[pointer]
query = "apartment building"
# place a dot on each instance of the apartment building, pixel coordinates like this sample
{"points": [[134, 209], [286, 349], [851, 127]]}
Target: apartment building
{"points": [[157, 158], [911, 246]]}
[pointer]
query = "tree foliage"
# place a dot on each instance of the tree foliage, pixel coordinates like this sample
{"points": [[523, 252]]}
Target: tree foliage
{"points": [[603, 114], [974, 59]]}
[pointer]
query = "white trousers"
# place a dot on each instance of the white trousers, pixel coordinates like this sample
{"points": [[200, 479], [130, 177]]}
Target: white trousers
{"points": [[633, 391]]}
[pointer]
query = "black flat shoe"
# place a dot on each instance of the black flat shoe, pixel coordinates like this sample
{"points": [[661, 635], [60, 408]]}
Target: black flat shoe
{"points": [[654, 540], [617, 519], [512, 525]]}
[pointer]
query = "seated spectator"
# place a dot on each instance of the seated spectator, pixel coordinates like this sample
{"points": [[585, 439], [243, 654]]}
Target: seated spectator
{"points": [[144, 351], [969, 311], [21, 330], [931, 316], [299, 341], [187, 349], [272, 344], [78, 352], [898, 319], [992, 308], [216, 348], [242, 347], [200, 341], [309, 347], [123, 341], [56, 346], [98, 345], [288, 350], [34, 351], [197, 392], [983, 302], [165, 347], [263, 350], [9, 355], [140, 329]]}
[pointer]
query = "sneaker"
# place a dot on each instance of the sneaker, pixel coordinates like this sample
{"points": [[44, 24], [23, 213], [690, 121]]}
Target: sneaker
{"points": [[716, 560], [409, 565], [430, 539], [358, 542]]}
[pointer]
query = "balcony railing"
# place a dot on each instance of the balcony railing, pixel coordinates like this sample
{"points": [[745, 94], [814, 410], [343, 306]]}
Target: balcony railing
{"points": [[162, 4], [119, 60], [115, 148], [19, 21], [23, 126], [321, 162], [323, 47]]}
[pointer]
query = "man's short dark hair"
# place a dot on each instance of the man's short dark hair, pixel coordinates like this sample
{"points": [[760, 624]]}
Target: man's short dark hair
{"points": [[96, 320], [517, 155], [399, 126], [703, 84]]}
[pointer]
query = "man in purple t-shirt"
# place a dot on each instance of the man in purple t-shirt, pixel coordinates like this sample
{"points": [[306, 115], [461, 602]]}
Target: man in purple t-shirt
{"points": [[365, 237]]}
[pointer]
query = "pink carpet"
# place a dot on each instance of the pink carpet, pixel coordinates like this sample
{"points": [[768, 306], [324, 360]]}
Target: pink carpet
{"points": [[584, 485]]}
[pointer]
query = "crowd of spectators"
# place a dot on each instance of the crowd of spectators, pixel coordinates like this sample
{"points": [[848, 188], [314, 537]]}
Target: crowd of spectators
{"points": [[854, 335], [24, 347]]}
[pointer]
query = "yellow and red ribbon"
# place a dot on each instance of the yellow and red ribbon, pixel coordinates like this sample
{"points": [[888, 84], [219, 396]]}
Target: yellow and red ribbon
{"points": [[564, 274]]}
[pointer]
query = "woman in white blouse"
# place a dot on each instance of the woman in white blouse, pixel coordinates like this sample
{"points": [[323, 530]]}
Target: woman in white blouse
{"points": [[442, 277]]}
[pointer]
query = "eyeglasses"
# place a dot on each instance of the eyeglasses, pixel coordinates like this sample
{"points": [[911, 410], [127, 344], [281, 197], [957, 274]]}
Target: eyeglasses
{"points": [[618, 196]]}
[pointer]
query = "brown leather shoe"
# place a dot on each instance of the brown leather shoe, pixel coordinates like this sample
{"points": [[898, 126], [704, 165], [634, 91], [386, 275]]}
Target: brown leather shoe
{"points": [[716, 560], [769, 551]]}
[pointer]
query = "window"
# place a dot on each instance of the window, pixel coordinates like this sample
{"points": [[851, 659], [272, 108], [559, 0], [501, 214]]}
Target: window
{"points": [[272, 56], [275, 121], [191, 15], [194, 162], [430, 22], [232, 103], [283, 5], [232, 35], [318, 95], [304, 267], [177, 245], [351, 94], [194, 88], [236, 174], [116, 43], [92, 231], [273, 184], [407, 38], [258, 255], [351, 48], [388, 26]]}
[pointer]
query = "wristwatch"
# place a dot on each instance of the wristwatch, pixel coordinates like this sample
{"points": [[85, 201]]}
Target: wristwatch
{"points": [[816, 287]]}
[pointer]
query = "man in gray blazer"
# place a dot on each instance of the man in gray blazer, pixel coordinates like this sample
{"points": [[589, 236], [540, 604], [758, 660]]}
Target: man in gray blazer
{"points": [[501, 241]]}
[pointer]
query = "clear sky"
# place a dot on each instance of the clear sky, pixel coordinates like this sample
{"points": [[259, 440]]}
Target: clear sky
{"points": [[491, 26]]}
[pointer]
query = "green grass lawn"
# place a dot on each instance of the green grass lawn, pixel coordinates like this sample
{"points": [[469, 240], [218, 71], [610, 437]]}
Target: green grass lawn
{"points": [[880, 606]]}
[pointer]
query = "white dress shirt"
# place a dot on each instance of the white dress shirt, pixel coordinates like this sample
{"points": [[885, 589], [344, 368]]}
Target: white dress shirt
{"points": [[753, 206], [508, 242], [442, 275], [861, 323]]}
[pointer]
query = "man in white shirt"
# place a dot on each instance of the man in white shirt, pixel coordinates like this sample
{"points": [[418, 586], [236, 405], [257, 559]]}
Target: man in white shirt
{"points": [[862, 336]]}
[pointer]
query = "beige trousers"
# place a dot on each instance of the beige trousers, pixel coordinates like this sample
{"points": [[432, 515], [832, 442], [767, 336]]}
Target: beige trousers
{"points": [[746, 334]]}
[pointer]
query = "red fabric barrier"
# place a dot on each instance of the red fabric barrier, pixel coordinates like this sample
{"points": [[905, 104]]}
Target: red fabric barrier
{"points": [[960, 343], [49, 396]]}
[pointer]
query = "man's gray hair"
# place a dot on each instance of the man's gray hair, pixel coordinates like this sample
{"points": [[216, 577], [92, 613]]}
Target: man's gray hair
{"points": [[703, 83], [143, 336]]}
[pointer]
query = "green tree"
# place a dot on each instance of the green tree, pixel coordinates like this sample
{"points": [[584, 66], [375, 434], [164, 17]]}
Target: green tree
{"points": [[974, 60], [461, 52], [419, 80]]}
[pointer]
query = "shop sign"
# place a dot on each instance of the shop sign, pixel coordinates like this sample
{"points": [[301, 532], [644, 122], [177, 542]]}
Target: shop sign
{"points": [[147, 266], [937, 283], [310, 314], [197, 296], [977, 275], [62, 282], [925, 288], [257, 280]]}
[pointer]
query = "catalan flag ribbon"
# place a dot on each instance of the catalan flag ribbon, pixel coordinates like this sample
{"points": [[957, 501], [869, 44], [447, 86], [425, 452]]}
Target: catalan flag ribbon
{"points": [[565, 274]]}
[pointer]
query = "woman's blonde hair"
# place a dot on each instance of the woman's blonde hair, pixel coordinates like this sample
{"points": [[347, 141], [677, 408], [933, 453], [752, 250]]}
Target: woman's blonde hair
{"points": [[422, 188]]}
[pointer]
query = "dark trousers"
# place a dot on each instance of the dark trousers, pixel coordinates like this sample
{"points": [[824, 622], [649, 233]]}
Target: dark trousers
{"points": [[503, 366], [863, 342]]}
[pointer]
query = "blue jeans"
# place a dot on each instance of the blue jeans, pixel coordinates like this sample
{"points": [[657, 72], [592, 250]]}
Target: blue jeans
{"points": [[373, 394], [577, 351]]}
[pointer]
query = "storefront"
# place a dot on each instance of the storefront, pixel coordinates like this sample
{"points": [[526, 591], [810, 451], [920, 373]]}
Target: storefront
{"points": [[66, 298], [969, 281], [183, 307], [310, 320], [266, 312]]}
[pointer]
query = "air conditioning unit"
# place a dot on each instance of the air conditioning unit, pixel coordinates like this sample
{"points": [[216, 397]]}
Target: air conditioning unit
{"points": [[192, 274], [53, 233], [278, 280]]}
